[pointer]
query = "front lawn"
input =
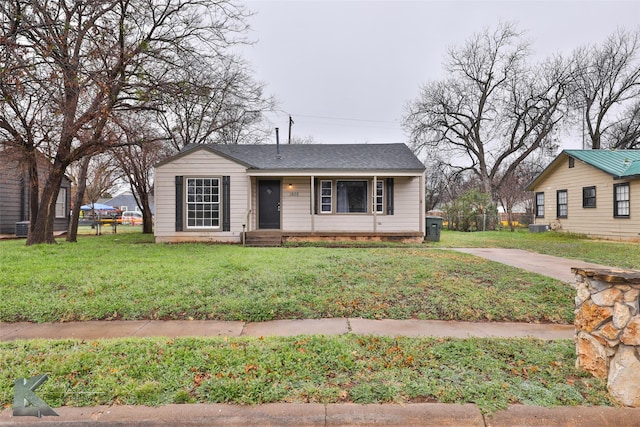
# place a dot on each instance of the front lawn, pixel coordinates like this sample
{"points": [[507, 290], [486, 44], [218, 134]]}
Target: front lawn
{"points": [[126, 276], [491, 373]]}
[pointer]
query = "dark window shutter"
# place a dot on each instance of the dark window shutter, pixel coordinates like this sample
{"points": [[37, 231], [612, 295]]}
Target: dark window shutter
{"points": [[226, 202], [316, 182], [389, 196], [179, 202]]}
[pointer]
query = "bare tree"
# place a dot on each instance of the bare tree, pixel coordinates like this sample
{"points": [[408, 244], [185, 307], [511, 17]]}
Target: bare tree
{"points": [[213, 103], [493, 112], [94, 57], [626, 132], [146, 147], [606, 88], [512, 192], [438, 188], [94, 177], [79, 179], [309, 139]]}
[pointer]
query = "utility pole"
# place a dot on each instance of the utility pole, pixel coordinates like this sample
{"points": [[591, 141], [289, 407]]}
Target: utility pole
{"points": [[290, 124]]}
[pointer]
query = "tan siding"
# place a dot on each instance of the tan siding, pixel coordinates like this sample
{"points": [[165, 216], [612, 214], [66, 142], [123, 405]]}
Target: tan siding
{"points": [[598, 221], [296, 204], [198, 163], [407, 211]]}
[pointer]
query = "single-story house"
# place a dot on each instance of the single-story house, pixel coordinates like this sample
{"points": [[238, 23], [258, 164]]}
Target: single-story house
{"points": [[592, 192], [15, 193], [229, 193]]}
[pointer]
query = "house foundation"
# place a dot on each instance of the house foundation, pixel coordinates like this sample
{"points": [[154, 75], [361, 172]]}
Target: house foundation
{"points": [[608, 329]]}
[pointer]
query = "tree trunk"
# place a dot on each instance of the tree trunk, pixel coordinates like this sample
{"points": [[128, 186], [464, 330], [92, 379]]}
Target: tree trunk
{"points": [[147, 217], [141, 195], [72, 235], [42, 228], [34, 189], [510, 218]]}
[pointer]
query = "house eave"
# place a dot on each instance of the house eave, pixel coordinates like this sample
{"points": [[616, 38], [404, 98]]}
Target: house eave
{"points": [[332, 172]]}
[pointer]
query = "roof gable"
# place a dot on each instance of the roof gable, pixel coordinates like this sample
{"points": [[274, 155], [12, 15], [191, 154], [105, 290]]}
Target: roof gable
{"points": [[620, 164], [350, 157]]}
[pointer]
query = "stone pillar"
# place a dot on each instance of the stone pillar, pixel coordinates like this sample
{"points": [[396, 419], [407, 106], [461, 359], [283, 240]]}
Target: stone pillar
{"points": [[608, 329]]}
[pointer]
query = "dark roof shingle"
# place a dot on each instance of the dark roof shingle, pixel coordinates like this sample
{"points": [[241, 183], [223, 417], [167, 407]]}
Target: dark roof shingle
{"points": [[321, 156]]}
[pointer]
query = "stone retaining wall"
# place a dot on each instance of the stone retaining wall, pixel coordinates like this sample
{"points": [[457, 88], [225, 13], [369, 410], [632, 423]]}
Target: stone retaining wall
{"points": [[608, 329]]}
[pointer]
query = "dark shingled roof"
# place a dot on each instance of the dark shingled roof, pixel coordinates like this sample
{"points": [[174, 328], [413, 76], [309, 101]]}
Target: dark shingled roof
{"points": [[320, 156]]}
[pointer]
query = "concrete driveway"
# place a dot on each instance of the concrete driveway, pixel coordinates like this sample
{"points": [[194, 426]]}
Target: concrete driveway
{"points": [[547, 265]]}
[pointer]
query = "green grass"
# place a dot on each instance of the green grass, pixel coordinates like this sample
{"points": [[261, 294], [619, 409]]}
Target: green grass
{"points": [[127, 276], [491, 373], [567, 245]]}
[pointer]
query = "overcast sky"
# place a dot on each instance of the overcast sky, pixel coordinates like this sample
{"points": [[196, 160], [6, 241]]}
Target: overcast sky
{"points": [[345, 70]]}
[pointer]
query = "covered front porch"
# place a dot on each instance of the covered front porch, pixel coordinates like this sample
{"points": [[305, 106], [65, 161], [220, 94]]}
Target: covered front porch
{"points": [[351, 205]]}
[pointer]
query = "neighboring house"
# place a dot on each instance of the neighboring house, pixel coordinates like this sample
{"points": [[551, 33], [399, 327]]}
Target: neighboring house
{"points": [[593, 192], [126, 202], [14, 193], [294, 192]]}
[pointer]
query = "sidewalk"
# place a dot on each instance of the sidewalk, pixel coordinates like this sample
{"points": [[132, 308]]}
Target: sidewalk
{"points": [[212, 328]]}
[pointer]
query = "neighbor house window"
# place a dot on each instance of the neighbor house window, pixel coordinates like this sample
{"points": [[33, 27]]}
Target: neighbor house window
{"points": [[621, 200], [203, 202], [540, 205], [351, 196], [61, 203], [379, 199], [589, 197], [326, 196], [562, 208], [572, 162]]}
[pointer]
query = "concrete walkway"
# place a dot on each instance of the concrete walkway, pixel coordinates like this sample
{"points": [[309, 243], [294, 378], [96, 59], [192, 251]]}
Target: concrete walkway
{"points": [[211, 328], [547, 265]]}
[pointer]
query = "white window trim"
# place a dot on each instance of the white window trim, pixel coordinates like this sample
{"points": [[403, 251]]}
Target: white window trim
{"points": [[61, 204], [377, 196], [540, 212], [617, 201], [330, 196], [186, 200]]}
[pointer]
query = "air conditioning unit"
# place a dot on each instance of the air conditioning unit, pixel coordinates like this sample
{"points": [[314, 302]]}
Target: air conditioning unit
{"points": [[22, 229], [538, 228]]}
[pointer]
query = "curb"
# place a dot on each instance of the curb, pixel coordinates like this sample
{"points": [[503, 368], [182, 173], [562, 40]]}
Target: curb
{"points": [[315, 414]]}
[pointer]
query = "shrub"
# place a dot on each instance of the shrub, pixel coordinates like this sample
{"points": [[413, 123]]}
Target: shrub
{"points": [[472, 211]]}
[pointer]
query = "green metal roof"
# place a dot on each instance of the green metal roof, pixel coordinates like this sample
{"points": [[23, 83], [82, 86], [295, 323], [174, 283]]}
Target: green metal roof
{"points": [[618, 163]]}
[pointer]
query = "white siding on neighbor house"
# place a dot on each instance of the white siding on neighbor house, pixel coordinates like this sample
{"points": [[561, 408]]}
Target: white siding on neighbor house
{"points": [[598, 221], [296, 209], [199, 163]]}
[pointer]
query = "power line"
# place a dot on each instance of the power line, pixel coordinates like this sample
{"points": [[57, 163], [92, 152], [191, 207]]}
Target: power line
{"points": [[343, 118]]}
